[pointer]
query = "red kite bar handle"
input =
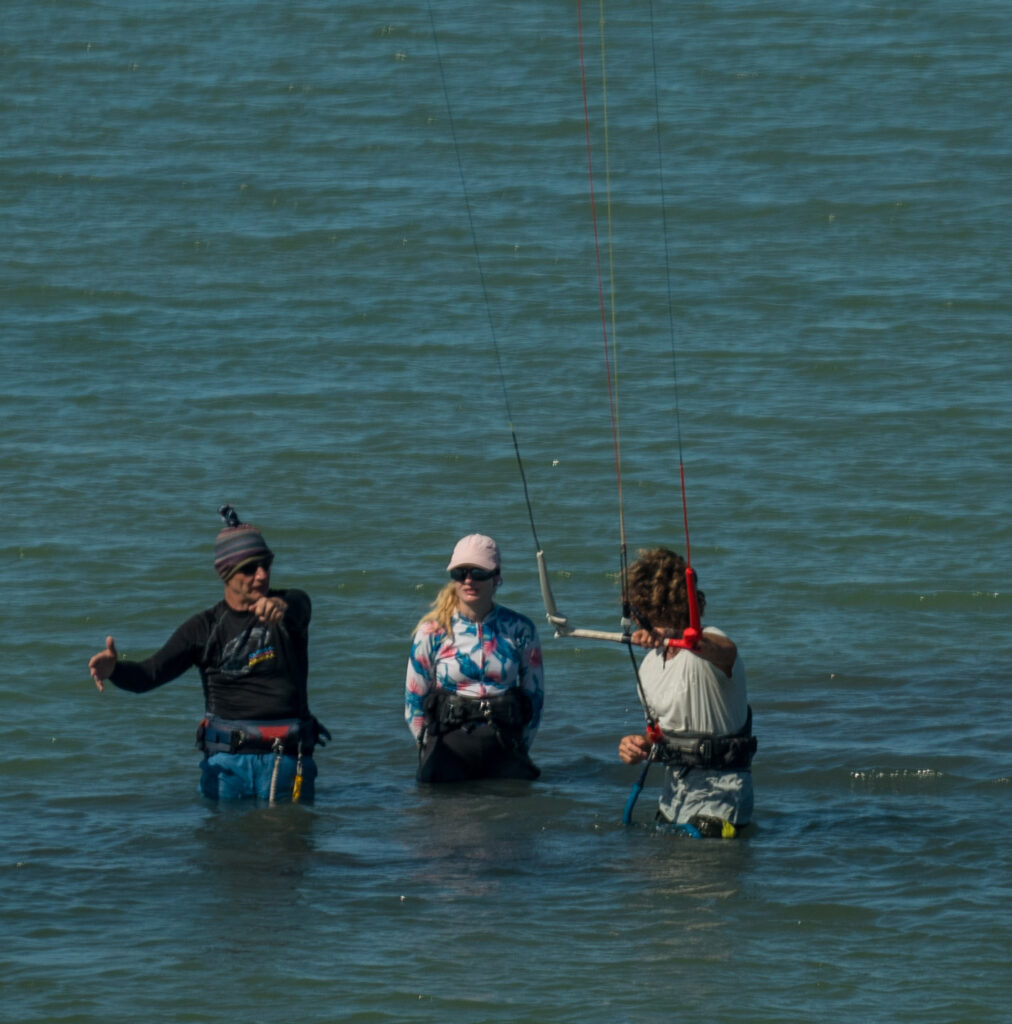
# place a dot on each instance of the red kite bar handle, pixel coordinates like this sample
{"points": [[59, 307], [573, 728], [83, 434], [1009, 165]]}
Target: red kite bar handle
{"points": [[689, 640]]}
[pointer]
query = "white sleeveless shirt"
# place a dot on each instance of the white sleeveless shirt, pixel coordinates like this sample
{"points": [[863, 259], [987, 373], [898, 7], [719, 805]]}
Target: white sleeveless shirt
{"points": [[687, 693]]}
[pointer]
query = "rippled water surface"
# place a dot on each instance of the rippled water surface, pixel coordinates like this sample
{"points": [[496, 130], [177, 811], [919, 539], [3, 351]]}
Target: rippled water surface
{"points": [[251, 254]]}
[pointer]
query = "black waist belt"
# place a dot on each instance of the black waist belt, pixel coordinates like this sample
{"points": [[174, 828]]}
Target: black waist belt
{"points": [[448, 711], [732, 753], [289, 735], [716, 753]]}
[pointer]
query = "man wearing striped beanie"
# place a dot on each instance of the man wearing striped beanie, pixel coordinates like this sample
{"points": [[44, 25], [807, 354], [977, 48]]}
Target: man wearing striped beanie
{"points": [[251, 650], [237, 546]]}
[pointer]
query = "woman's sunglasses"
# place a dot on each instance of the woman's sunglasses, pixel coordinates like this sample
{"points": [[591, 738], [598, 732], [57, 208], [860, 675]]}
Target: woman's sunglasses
{"points": [[478, 575]]}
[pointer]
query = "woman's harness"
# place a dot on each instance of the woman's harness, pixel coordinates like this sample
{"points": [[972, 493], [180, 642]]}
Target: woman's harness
{"points": [[506, 714]]}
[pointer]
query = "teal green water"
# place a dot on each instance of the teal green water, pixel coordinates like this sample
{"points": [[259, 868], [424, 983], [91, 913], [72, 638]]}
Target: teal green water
{"points": [[239, 266]]}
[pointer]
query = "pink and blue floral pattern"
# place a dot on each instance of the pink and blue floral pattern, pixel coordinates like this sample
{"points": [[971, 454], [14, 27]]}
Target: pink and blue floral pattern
{"points": [[478, 659]]}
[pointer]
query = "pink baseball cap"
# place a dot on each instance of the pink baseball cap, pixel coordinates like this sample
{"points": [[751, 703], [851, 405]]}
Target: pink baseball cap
{"points": [[475, 549]]}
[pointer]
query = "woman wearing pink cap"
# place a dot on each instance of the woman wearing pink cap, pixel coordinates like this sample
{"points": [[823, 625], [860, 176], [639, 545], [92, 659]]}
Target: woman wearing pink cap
{"points": [[475, 686]]}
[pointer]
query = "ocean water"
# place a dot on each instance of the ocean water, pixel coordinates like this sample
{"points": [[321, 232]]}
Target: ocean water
{"points": [[255, 253]]}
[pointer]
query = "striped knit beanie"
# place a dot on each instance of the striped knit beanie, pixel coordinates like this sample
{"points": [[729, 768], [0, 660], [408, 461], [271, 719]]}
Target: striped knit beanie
{"points": [[236, 544]]}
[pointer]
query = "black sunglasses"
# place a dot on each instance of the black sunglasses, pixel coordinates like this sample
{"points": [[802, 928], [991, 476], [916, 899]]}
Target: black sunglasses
{"points": [[250, 568], [478, 575]]}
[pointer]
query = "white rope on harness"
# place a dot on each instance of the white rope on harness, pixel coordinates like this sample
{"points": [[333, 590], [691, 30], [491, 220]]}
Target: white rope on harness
{"points": [[279, 748]]}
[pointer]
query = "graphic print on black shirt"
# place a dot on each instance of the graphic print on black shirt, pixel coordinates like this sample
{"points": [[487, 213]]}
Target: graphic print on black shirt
{"points": [[250, 651], [249, 670]]}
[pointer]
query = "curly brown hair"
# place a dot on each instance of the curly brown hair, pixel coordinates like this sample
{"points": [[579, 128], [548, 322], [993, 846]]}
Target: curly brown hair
{"points": [[657, 590]]}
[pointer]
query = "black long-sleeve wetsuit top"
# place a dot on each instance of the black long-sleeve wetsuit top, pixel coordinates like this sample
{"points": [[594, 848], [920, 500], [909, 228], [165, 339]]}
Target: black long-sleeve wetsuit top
{"points": [[248, 670]]}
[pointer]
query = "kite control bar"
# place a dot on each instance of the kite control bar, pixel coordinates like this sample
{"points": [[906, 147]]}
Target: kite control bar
{"points": [[689, 639]]}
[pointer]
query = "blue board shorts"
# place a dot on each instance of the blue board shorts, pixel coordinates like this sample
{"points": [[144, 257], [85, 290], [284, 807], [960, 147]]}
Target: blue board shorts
{"points": [[226, 776]]}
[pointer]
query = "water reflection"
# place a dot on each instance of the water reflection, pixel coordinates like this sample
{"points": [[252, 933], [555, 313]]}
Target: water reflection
{"points": [[470, 838], [251, 861]]}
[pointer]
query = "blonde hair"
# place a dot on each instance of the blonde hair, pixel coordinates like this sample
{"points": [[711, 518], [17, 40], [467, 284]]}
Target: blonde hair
{"points": [[442, 609]]}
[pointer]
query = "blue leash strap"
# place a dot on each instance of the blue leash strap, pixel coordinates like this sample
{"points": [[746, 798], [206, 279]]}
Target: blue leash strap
{"points": [[637, 788], [686, 829]]}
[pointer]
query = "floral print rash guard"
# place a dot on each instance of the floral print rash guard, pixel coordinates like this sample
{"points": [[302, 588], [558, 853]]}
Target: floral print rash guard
{"points": [[477, 659]]}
